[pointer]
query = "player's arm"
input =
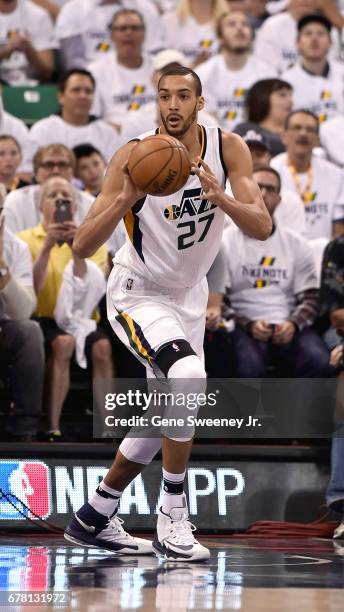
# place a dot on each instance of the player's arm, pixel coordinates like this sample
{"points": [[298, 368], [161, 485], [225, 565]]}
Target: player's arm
{"points": [[117, 196], [247, 208]]}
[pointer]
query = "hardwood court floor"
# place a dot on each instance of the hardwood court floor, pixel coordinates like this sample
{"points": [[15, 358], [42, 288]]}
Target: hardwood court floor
{"points": [[243, 575]]}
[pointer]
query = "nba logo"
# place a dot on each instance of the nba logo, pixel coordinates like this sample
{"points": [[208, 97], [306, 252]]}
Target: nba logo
{"points": [[29, 481]]}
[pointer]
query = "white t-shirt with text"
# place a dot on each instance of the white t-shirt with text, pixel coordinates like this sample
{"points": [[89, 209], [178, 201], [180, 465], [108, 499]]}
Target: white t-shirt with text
{"points": [[324, 96], [325, 198], [264, 277], [189, 36], [91, 19], [120, 90]]}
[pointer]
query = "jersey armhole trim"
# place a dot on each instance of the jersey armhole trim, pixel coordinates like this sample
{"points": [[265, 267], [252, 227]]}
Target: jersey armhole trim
{"points": [[138, 205], [221, 153]]}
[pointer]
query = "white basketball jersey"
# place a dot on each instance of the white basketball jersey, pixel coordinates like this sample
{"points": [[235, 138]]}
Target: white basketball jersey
{"points": [[173, 240]]}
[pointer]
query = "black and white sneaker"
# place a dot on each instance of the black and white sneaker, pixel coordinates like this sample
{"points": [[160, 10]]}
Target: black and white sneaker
{"points": [[90, 528], [174, 540]]}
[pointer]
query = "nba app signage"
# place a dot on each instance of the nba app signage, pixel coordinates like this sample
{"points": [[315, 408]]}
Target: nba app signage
{"points": [[222, 494], [51, 489]]}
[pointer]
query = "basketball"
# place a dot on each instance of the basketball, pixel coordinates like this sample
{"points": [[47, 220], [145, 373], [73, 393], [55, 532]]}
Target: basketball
{"points": [[159, 165]]}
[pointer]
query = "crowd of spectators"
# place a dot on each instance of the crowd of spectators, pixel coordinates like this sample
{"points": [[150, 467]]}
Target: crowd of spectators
{"points": [[271, 72]]}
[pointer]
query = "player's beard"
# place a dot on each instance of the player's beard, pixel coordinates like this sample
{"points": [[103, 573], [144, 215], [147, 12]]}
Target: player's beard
{"points": [[186, 124]]}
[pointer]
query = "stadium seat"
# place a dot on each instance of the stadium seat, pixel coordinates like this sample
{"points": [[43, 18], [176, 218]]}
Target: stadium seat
{"points": [[30, 103]]}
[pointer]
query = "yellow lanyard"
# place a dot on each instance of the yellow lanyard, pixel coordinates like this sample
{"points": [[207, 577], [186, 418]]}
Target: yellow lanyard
{"points": [[306, 194]]}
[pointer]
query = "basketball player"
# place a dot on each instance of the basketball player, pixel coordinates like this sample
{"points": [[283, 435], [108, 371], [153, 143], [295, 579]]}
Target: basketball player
{"points": [[160, 313]]}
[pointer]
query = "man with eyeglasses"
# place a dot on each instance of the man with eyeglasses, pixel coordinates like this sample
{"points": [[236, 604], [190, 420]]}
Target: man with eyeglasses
{"points": [[273, 291], [21, 207], [319, 183], [123, 77], [83, 31]]}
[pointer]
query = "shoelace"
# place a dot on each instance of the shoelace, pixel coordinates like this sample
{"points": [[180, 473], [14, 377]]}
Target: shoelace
{"points": [[182, 528], [116, 523]]}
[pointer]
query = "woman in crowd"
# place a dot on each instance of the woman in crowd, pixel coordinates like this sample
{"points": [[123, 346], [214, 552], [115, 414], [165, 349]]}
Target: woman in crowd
{"points": [[268, 103]]}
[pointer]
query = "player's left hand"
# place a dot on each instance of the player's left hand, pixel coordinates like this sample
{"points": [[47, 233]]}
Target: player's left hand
{"points": [[284, 333], [130, 192], [212, 189]]}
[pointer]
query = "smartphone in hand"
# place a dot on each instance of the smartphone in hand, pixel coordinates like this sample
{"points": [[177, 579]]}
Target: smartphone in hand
{"points": [[63, 211]]}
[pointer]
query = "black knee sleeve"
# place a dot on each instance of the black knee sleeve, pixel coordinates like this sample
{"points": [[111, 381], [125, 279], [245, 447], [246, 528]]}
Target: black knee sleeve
{"points": [[171, 352]]}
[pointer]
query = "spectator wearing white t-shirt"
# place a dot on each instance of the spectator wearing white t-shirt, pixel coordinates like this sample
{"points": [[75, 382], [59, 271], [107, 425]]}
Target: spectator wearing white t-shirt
{"points": [[276, 39], [123, 78], [74, 125], [226, 77], [273, 292], [191, 29], [318, 84], [82, 29], [318, 182], [26, 43], [148, 117], [21, 207]]}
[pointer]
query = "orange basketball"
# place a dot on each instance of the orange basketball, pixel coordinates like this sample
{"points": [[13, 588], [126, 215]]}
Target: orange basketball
{"points": [[159, 165]]}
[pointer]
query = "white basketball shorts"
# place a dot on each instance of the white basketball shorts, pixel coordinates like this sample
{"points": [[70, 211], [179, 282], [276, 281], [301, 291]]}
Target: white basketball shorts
{"points": [[146, 316]]}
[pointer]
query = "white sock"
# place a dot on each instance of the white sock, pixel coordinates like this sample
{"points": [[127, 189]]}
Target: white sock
{"points": [[105, 505], [173, 499]]}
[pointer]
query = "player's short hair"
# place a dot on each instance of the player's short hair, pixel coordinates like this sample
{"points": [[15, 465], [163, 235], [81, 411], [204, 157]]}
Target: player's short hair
{"points": [[258, 98], [182, 71], [66, 76], [272, 171], [302, 111], [304, 21], [85, 150], [4, 137], [53, 149], [126, 11]]}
